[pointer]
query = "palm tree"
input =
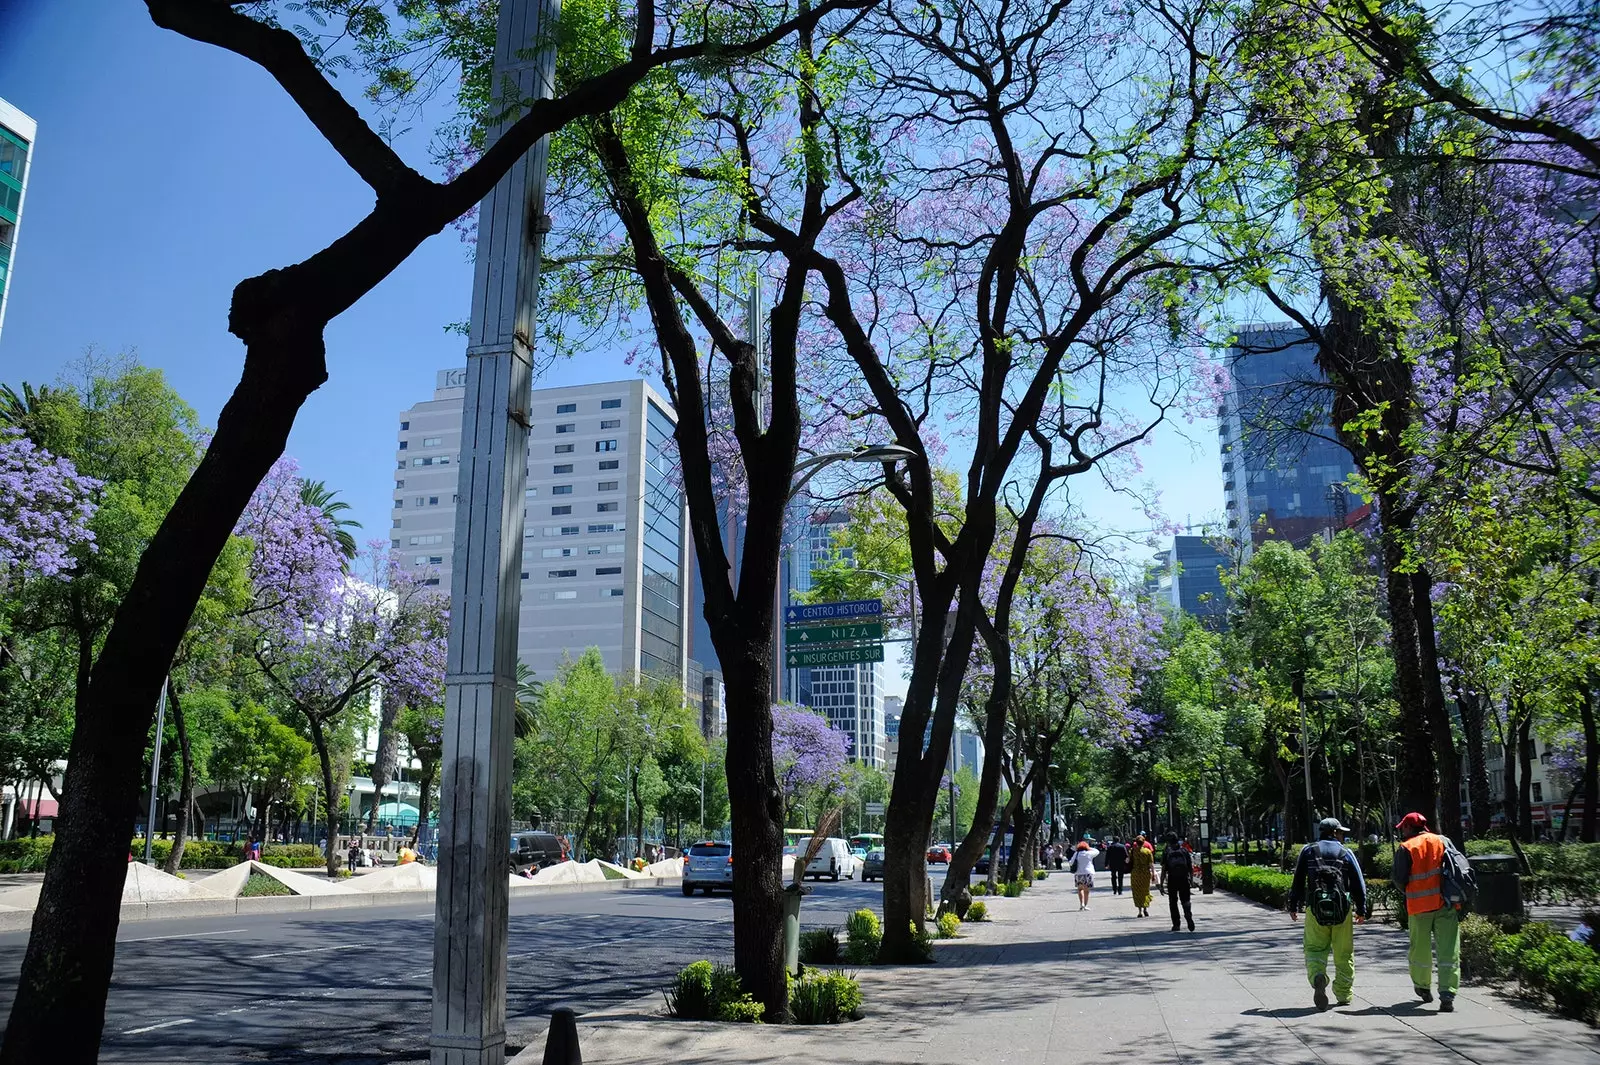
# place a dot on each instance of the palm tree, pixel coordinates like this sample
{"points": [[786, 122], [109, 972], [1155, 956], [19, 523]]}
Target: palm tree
{"points": [[24, 410], [529, 694], [317, 495]]}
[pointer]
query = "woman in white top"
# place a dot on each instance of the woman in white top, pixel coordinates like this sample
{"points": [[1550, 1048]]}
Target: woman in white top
{"points": [[1082, 867]]}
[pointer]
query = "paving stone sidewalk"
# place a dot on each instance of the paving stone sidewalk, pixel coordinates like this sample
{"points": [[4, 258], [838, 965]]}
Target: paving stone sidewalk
{"points": [[1043, 983]]}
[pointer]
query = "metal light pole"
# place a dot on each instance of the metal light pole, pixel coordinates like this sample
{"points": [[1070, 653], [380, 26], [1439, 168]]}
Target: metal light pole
{"points": [[469, 944], [1305, 771], [155, 770]]}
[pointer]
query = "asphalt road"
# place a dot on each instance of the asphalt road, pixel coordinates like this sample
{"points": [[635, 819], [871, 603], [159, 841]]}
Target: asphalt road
{"points": [[352, 987]]}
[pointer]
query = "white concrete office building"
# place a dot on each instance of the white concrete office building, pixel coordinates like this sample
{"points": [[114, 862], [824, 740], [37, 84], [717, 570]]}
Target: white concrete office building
{"points": [[604, 554]]}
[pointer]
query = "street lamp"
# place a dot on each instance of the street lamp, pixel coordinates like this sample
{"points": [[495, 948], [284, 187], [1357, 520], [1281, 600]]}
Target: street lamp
{"points": [[888, 454]]}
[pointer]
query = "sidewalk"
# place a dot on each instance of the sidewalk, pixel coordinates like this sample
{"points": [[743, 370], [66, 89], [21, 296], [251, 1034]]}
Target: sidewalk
{"points": [[1042, 983]]}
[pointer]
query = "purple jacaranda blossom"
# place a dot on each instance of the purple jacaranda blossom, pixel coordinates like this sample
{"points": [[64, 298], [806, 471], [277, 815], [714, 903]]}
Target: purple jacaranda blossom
{"points": [[807, 752], [45, 507]]}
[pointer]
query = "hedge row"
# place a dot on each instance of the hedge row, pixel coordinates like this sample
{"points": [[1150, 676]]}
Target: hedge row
{"points": [[1544, 963], [28, 855], [1267, 886]]}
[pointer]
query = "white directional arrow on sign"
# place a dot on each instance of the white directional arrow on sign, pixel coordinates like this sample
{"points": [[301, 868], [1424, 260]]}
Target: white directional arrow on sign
{"points": [[793, 614]]}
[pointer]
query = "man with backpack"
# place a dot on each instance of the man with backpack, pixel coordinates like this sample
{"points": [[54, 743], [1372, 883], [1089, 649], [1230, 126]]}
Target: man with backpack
{"points": [[1329, 885], [1438, 883], [1176, 869]]}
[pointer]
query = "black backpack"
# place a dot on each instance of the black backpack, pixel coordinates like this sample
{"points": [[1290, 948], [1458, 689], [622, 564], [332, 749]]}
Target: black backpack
{"points": [[1327, 897], [1175, 862], [1458, 882]]}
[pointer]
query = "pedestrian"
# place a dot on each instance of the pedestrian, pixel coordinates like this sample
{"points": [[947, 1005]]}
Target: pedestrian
{"points": [[1432, 921], [1329, 885], [1176, 870], [1082, 866], [353, 856], [1141, 863], [1116, 864], [1588, 930]]}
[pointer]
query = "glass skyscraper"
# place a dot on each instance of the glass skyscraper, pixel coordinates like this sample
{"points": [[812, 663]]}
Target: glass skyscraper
{"points": [[17, 132], [1283, 469]]}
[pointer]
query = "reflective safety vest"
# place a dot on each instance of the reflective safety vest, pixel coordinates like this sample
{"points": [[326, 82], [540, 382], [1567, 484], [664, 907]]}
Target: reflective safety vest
{"points": [[1425, 888]]}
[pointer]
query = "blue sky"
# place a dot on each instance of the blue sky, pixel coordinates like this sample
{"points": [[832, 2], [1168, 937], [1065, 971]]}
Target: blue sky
{"points": [[166, 171]]}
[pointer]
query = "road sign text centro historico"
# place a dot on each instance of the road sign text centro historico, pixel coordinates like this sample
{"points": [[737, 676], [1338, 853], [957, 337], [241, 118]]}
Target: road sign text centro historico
{"points": [[854, 608]]}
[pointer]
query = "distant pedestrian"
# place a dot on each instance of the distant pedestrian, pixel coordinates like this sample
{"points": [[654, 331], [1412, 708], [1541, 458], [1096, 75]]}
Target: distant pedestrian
{"points": [[1432, 922], [1175, 870], [1141, 864], [1329, 885], [1116, 863], [1588, 930], [353, 855], [1082, 867]]}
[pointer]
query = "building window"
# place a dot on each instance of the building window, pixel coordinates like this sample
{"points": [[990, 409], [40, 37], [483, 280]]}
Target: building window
{"points": [[432, 582], [611, 593], [606, 508], [422, 462], [433, 501], [608, 486], [397, 523], [1538, 792], [558, 552], [610, 404], [423, 541], [566, 408], [565, 468], [569, 530], [616, 549], [563, 573], [444, 460], [401, 464], [561, 490], [603, 528], [404, 444], [433, 441], [399, 504], [567, 427], [399, 485], [420, 500], [524, 574], [594, 549], [404, 426], [564, 449], [605, 445], [608, 464], [611, 423], [608, 571], [566, 595], [556, 512]]}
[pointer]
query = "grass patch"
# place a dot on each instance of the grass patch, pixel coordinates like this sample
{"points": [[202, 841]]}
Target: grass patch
{"points": [[260, 885], [613, 874]]}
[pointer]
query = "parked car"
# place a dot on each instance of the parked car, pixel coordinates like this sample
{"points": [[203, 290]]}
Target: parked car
{"points": [[533, 851], [832, 861], [709, 865], [872, 865], [940, 853]]}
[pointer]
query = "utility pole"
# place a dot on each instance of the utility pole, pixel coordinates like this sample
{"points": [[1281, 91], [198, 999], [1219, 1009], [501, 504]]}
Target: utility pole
{"points": [[469, 944]]}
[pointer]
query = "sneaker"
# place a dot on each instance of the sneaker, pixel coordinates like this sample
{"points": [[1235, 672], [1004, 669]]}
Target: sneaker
{"points": [[1447, 1003], [1191, 924], [1174, 928], [1319, 990], [1423, 993], [1341, 1002]]}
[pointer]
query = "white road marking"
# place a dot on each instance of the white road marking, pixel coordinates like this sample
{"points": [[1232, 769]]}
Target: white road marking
{"points": [[163, 1024], [309, 950], [183, 935]]}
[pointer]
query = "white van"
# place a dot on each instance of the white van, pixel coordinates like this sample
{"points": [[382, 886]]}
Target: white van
{"points": [[833, 860]]}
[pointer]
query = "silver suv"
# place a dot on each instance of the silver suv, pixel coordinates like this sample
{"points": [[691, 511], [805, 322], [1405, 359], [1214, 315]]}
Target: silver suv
{"points": [[708, 865]]}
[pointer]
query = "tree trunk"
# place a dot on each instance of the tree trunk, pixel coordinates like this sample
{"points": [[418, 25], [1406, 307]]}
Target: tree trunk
{"points": [[1566, 813], [1480, 802], [426, 784], [1525, 768], [383, 763], [1510, 797], [1591, 767], [967, 853], [180, 837], [1415, 773], [1007, 816], [330, 801], [1447, 761], [757, 828]]}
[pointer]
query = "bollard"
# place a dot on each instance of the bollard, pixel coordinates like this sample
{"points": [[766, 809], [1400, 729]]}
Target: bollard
{"points": [[561, 1046]]}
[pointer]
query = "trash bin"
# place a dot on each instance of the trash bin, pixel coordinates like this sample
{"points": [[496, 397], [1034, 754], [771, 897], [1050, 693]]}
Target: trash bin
{"points": [[791, 926], [1499, 885]]}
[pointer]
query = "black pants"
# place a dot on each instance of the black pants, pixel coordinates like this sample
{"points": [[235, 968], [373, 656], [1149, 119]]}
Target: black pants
{"points": [[1178, 888], [1116, 881]]}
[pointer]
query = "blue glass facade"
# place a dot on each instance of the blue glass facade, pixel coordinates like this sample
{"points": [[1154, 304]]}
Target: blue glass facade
{"points": [[1197, 580], [661, 635], [1282, 466]]}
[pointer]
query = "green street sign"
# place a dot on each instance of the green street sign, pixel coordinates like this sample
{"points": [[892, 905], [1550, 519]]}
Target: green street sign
{"points": [[834, 656], [822, 635]]}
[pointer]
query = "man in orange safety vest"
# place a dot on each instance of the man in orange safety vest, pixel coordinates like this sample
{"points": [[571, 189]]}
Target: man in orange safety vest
{"points": [[1433, 924]]}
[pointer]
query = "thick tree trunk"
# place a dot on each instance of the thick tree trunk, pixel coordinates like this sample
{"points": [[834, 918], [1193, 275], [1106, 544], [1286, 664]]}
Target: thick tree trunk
{"points": [[388, 753], [1525, 769], [1510, 796], [757, 811], [1480, 802], [1447, 761], [966, 855], [330, 801], [180, 837], [1591, 767]]}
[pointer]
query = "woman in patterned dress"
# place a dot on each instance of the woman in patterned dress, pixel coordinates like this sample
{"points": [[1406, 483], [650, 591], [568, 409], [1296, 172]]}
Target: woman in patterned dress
{"points": [[1141, 860]]}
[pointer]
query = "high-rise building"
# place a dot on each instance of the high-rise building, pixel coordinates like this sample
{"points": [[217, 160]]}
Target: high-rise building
{"points": [[17, 134], [1283, 469], [1188, 577], [850, 695], [603, 554]]}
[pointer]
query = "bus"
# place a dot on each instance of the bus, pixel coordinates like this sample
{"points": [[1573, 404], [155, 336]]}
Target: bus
{"points": [[862, 842], [795, 840]]}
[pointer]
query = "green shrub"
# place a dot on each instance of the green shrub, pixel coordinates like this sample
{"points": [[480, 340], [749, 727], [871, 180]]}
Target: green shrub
{"points": [[980, 888], [1547, 963], [819, 946], [1012, 889], [948, 925], [863, 935], [1041, 874], [260, 885], [824, 998], [705, 992], [1479, 938], [978, 911], [921, 942], [1267, 886], [26, 854]]}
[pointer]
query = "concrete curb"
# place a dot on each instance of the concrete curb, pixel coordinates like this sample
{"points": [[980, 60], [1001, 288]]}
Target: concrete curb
{"points": [[178, 909]]}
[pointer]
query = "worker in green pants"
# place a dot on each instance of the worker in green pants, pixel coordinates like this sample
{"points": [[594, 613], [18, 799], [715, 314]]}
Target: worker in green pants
{"points": [[1435, 935], [1432, 921], [1329, 885]]}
